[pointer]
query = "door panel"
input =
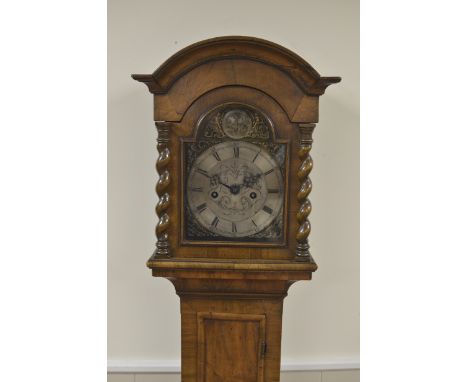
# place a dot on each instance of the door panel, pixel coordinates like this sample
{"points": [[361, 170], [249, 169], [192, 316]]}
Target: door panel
{"points": [[230, 347]]}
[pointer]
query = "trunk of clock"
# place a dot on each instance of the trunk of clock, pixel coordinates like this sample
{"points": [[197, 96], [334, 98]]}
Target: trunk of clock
{"points": [[231, 315]]}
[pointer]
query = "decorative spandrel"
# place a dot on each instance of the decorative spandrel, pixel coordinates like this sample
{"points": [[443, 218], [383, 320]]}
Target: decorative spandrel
{"points": [[234, 175]]}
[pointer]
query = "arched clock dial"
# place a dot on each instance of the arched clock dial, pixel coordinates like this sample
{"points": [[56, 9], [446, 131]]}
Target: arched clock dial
{"points": [[235, 189]]}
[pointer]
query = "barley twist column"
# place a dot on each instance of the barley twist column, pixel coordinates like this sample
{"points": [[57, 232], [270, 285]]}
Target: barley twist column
{"points": [[162, 244], [305, 207]]}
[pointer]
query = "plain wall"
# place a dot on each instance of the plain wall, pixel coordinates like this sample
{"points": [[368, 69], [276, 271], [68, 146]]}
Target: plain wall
{"points": [[321, 317]]}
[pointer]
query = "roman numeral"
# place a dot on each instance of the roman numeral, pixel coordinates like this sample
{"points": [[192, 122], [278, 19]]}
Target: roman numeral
{"points": [[215, 222], [255, 225], [273, 191], [196, 189], [256, 156], [267, 209], [203, 172], [216, 155], [201, 207], [234, 227], [269, 171], [236, 151]]}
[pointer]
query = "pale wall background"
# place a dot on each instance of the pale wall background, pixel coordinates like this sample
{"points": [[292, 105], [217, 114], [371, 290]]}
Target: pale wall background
{"points": [[321, 318]]}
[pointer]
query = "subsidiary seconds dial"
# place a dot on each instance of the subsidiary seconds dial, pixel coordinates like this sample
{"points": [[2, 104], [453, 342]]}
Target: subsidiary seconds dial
{"points": [[235, 189]]}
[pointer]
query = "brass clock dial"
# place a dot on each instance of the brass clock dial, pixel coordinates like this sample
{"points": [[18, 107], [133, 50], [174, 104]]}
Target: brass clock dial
{"points": [[235, 189]]}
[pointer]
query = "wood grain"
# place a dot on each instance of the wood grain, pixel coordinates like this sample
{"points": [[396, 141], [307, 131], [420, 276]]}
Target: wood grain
{"points": [[250, 337], [231, 47], [231, 347], [232, 295]]}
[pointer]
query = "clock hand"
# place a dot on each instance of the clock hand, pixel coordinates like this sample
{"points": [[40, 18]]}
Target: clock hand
{"points": [[216, 179], [234, 189], [225, 185]]}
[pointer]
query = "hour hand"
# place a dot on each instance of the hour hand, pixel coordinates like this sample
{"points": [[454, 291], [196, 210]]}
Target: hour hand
{"points": [[225, 185], [216, 180], [234, 189]]}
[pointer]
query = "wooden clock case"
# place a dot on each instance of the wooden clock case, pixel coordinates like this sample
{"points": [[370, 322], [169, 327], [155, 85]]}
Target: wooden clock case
{"points": [[232, 294]]}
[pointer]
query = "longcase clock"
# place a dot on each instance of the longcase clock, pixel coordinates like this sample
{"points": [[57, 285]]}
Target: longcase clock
{"points": [[235, 117]]}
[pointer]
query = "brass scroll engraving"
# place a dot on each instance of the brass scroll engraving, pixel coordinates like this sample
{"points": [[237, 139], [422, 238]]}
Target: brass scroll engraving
{"points": [[235, 121], [305, 207], [162, 244]]}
